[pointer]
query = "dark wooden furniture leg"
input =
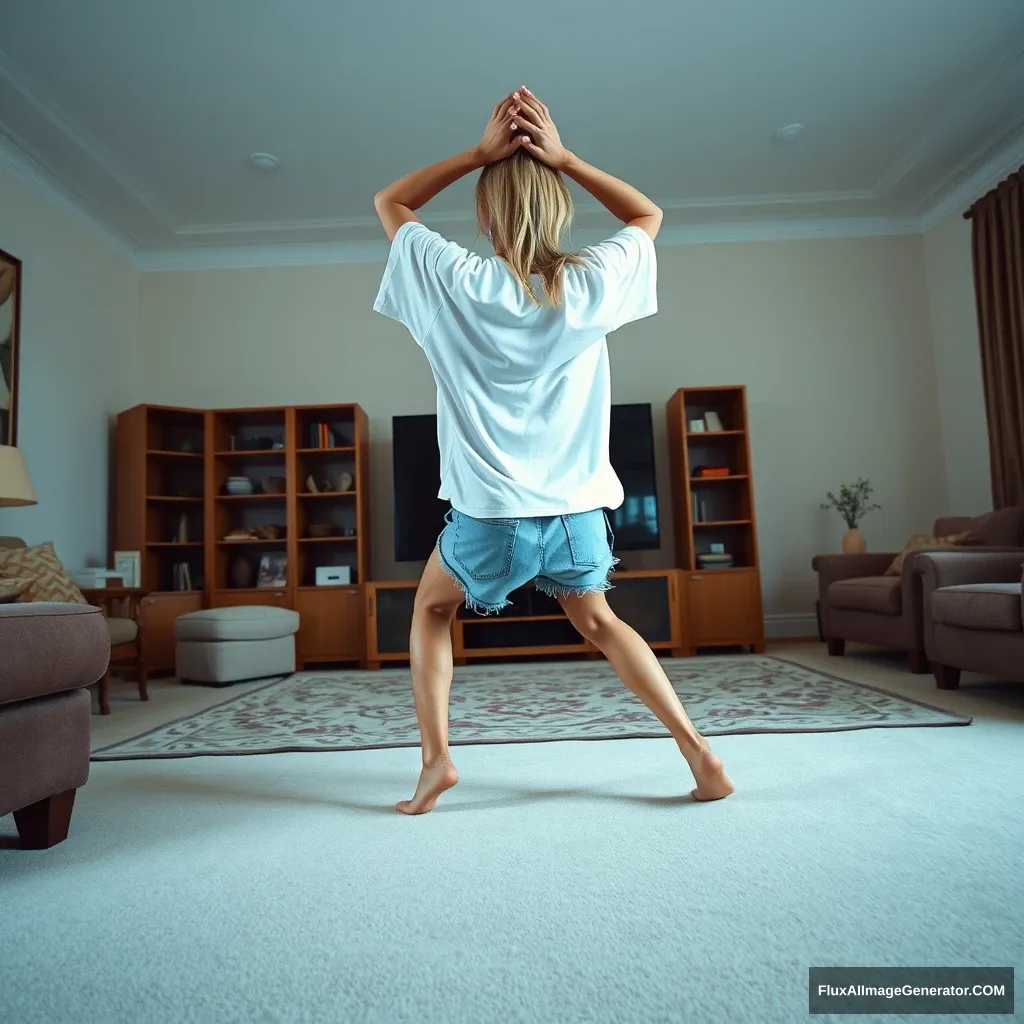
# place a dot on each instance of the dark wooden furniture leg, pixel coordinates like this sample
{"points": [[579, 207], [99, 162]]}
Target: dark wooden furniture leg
{"points": [[105, 693], [45, 823], [836, 646], [918, 662], [143, 671], [946, 676]]}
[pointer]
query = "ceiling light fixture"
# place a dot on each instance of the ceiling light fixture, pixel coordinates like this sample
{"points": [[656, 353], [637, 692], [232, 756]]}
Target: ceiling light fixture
{"points": [[790, 133], [263, 161]]}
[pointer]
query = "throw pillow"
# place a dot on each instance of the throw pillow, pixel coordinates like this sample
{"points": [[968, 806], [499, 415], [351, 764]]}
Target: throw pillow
{"points": [[50, 581], [12, 589], [1003, 528], [919, 542]]}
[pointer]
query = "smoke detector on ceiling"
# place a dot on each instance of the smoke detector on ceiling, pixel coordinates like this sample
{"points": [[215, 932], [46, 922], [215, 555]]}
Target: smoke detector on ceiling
{"points": [[789, 134], [263, 161]]}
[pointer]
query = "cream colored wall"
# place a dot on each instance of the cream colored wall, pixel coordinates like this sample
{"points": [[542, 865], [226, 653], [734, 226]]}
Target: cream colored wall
{"points": [[954, 329], [831, 337], [79, 328]]}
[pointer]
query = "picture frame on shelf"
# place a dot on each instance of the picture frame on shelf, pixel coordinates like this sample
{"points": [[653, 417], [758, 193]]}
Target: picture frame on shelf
{"points": [[128, 565], [273, 571]]}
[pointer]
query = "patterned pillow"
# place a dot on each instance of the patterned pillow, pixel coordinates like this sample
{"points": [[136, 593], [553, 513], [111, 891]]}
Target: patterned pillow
{"points": [[50, 582], [11, 590], [920, 541]]}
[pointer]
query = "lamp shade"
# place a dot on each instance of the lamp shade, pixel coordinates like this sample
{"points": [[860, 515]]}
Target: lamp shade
{"points": [[15, 486]]}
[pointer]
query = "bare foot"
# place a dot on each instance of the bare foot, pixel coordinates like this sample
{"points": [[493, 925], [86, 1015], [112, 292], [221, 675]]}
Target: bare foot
{"points": [[712, 782], [441, 775]]}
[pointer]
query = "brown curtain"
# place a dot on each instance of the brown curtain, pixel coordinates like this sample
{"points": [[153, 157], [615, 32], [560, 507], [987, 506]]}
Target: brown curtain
{"points": [[997, 247]]}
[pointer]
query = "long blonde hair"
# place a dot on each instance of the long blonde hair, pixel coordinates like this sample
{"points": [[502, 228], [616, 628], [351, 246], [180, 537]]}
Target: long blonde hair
{"points": [[527, 208]]}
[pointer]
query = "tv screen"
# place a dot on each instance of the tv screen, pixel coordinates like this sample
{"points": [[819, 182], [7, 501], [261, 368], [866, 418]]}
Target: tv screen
{"points": [[419, 513]]}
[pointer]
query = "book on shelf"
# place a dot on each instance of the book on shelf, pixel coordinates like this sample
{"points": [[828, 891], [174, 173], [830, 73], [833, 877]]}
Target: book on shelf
{"points": [[711, 472], [182, 576], [710, 561], [713, 422], [322, 436]]}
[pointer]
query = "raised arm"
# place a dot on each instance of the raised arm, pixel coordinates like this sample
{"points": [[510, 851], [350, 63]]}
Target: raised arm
{"points": [[395, 205], [542, 140]]}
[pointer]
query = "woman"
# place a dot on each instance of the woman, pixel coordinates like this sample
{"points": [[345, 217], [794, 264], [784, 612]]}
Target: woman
{"points": [[517, 347]]}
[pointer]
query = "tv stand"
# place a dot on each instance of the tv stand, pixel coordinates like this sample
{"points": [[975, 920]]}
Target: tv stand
{"points": [[534, 625]]}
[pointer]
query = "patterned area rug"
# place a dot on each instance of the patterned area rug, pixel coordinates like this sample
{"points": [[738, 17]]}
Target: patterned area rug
{"points": [[527, 703]]}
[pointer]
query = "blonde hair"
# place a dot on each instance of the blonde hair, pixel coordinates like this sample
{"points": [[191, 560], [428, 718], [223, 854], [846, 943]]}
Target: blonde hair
{"points": [[528, 208]]}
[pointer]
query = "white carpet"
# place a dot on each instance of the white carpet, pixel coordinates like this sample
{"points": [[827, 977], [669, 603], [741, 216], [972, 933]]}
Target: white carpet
{"points": [[563, 882]]}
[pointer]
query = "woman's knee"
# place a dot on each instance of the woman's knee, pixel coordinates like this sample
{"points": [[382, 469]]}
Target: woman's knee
{"points": [[595, 624]]}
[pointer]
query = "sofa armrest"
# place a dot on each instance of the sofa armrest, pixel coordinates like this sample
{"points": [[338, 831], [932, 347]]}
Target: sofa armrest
{"points": [[848, 567], [959, 567], [965, 565], [49, 647]]}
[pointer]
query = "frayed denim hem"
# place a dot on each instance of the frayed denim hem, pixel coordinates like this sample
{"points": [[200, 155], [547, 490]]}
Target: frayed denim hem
{"points": [[555, 591], [545, 586], [471, 603]]}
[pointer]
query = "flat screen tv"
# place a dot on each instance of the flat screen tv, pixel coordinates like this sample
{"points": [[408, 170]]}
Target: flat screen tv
{"points": [[419, 513]]}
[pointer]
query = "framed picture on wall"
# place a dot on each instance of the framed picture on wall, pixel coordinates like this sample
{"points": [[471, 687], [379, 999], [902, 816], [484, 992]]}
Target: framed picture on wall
{"points": [[10, 316]]}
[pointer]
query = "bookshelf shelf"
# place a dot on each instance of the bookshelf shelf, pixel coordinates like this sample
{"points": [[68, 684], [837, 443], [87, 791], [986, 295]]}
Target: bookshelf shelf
{"points": [[326, 451], [715, 516]]}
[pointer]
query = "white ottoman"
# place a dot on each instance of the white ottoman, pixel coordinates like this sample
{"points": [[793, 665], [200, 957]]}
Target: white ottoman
{"points": [[219, 646]]}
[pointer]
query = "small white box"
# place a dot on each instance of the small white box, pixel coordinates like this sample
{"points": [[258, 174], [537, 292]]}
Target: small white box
{"points": [[333, 575]]}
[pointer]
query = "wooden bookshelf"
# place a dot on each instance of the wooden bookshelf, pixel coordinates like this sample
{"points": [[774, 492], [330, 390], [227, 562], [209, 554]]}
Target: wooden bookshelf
{"points": [[722, 604], [173, 505]]}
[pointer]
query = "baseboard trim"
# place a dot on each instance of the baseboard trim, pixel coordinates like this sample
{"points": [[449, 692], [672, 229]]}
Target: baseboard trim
{"points": [[798, 626]]}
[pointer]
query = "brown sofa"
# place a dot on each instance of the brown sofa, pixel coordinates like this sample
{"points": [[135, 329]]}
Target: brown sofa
{"points": [[51, 653], [857, 602], [973, 614]]}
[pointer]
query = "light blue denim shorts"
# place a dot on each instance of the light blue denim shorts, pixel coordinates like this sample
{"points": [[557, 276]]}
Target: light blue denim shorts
{"points": [[489, 558]]}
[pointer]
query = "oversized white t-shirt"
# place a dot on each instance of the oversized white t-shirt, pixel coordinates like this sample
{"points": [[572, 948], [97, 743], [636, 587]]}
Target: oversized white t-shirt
{"points": [[523, 392]]}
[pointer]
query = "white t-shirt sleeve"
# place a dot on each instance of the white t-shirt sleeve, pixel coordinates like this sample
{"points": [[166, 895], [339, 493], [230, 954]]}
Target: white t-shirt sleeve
{"points": [[621, 278], [414, 282]]}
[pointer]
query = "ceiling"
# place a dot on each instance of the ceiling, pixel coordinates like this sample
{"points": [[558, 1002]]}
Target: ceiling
{"points": [[140, 115]]}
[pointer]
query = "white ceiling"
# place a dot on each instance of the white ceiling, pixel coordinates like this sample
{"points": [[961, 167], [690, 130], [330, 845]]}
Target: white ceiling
{"points": [[143, 112]]}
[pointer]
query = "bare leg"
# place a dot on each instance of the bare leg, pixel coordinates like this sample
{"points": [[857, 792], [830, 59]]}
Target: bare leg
{"points": [[430, 654], [641, 672]]}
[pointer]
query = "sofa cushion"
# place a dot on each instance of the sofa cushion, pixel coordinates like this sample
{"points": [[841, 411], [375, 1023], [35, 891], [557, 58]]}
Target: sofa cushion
{"points": [[995, 606], [879, 594], [922, 542], [122, 631], [50, 581], [1003, 528]]}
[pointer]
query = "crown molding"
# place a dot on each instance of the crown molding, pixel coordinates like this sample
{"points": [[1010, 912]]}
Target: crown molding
{"points": [[973, 184], [240, 257], [25, 170], [927, 142], [62, 121]]}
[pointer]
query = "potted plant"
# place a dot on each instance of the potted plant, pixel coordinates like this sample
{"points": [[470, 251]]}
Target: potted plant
{"points": [[853, 504]]}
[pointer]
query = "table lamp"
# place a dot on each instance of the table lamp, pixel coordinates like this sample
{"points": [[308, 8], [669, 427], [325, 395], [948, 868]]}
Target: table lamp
{"points": [[15, 485]]}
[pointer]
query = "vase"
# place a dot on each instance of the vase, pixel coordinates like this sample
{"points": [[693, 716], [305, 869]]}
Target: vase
{"points": [[242, 573], [854, 542]]}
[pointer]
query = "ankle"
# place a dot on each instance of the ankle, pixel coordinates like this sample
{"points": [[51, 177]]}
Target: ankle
{"points": [[437, 760]]}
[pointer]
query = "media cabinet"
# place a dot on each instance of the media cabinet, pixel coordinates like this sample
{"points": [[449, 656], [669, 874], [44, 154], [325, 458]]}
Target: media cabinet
{"points": [[534, 624]]}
